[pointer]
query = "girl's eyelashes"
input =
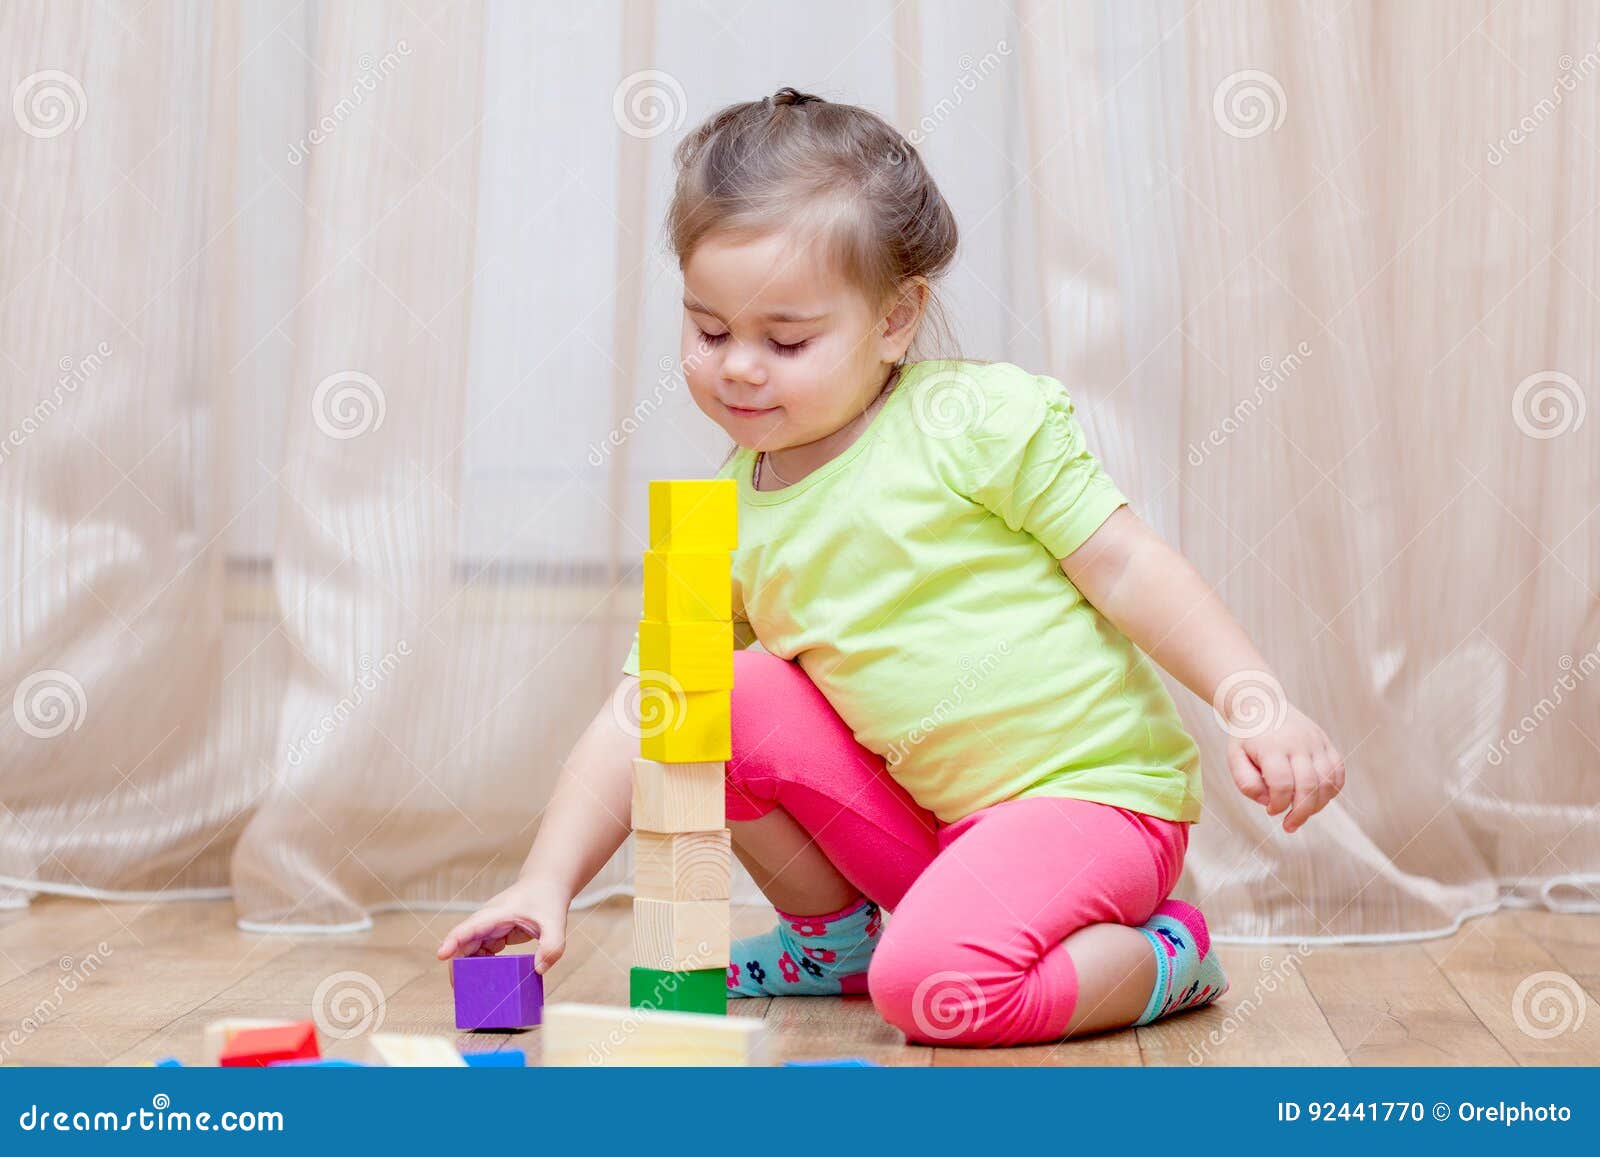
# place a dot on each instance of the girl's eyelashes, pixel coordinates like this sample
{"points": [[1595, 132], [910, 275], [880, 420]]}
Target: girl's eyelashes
{"points": [[783, 350]]}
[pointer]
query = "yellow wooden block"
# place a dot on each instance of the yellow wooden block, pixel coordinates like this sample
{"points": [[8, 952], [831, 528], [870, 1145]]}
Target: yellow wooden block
{"points": [[591, 1035], [697, 656], [694, 515], [683, 865], [683, 586], [679, 797], [684, 726], [677, 935]]}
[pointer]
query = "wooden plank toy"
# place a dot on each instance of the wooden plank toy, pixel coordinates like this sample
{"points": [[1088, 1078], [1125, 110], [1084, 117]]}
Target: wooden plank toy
{"points": [[693, 656], [590, 1035], [496, 992], [683, 865], [694, 515], [404, 1051], [698, 725], [259, 1047], [683, 586], [695, 990], [678, 935], [678, 797]]}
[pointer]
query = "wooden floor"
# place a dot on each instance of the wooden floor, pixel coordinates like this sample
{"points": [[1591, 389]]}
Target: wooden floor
{"points": [[83, 982]]}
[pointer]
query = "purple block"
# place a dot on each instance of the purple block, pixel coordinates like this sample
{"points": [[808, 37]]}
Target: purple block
{"points": [[497, 992]]}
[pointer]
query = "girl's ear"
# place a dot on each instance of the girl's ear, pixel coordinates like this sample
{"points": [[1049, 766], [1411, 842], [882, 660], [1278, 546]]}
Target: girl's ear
{"points": [[900, 326]]}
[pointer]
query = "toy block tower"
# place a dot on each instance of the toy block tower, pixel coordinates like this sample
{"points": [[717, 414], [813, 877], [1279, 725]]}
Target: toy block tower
{"points": [[682, 849]]}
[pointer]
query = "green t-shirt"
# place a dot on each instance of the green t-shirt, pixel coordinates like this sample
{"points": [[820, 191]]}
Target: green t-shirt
{"points": [[915, 578]]}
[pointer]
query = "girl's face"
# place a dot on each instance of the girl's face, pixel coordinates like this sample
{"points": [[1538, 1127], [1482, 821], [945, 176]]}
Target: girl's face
{"points": [[777, 350]]}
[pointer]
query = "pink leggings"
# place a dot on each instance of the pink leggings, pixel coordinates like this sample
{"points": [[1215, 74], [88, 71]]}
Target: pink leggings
{"points": [[974, 953]]}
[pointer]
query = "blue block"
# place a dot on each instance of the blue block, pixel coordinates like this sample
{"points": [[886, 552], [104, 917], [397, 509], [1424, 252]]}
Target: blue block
{"points": [[169, 1063], [504, 1059], [834, 1063], [317, 1063]]}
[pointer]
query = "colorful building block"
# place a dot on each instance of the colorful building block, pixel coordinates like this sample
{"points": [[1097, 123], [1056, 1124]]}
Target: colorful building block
{"points": [[695, 990], [699, 514], [678, 935], [259, 1047], [836, 1063], [497, 991], [697, 726], [594, 1035], [318, 1063], [219, 1032], [679, 797], [404, 1051], [685, 586], [500, 1059], [694, 656], [683, 865]]}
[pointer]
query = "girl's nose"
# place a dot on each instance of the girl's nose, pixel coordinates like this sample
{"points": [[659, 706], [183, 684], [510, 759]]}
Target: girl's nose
{"points": [[741, 364]]}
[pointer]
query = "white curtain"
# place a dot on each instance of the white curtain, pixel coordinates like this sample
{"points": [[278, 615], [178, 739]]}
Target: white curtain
{"points": [[337, 346]]}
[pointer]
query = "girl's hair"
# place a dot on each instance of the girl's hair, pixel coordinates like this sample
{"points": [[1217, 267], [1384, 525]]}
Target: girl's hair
{"points": [[833, 174]]}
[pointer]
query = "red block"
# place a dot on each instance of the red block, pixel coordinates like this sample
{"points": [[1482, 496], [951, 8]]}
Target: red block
{"points": [[258, 1047]]}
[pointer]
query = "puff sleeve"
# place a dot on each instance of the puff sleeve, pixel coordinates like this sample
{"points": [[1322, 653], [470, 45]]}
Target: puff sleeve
{"points": [[1024, 457]]}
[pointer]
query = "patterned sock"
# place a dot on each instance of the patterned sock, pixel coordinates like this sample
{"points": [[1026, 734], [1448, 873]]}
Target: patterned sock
{"points": [[808, 955], [1188, 973]]}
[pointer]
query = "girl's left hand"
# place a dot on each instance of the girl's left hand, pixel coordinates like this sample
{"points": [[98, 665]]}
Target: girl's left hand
{"points": [[1293, 766]]}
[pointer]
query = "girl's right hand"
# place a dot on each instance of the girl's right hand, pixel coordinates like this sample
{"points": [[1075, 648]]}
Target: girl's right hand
{"points": [[528, 910]]}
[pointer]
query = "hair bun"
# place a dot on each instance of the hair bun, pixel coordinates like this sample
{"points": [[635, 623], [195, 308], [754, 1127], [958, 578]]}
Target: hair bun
{"points": [[792, 96]]}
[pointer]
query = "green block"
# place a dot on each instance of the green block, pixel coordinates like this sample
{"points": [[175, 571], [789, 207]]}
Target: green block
{"points": [[698, 990]]}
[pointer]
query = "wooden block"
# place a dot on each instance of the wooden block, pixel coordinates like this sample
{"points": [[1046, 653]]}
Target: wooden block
{"points": [[683, 865], [684, 586], [404, 1051], [596, 1035], [219, 1032], [694, 515], [256, 1048], [679, 797], [677, 935], [496, 992], [684, 726], [695, 656], [696, 990]]}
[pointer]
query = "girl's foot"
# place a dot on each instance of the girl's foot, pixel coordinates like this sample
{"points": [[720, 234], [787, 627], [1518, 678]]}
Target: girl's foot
{"points": [[808, 955], [1188, 973]]}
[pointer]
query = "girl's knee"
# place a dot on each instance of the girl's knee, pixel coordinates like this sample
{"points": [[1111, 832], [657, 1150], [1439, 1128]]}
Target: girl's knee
{"points": [[930, 996]]}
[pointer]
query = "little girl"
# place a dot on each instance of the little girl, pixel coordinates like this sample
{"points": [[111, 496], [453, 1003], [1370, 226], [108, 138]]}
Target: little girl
{"points": [[949, 718]]}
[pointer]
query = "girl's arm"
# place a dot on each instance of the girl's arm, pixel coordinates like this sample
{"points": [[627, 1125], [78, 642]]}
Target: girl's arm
{"points": [[586, 821], [1151, 593]]}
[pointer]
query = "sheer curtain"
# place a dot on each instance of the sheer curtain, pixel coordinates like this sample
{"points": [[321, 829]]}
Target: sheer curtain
{"points": [[338, 346]]}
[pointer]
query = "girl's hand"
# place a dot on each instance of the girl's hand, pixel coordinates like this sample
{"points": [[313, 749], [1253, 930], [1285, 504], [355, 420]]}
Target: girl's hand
{"points": [[1290, 766], [528, 909]]}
